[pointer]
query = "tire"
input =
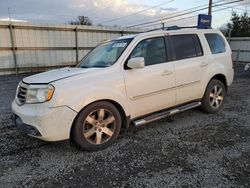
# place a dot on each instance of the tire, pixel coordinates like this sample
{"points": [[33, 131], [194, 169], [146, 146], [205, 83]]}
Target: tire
{"points": [[97, 126], [214, 96]]}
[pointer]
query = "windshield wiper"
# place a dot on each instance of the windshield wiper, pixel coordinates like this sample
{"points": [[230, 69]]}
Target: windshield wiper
{"points": [[100, 66], [95, 66], [84, 67]]}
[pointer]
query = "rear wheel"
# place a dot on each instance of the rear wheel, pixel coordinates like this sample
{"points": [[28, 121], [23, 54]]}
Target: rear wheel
{"points": [[214, 96], [97, 126]]}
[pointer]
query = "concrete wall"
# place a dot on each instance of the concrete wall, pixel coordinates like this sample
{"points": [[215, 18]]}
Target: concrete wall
{"points": [[28, 47]]}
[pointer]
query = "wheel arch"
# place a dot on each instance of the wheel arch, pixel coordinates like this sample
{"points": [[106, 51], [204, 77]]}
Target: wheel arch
{"points": [[220, 77], [124, 117]]}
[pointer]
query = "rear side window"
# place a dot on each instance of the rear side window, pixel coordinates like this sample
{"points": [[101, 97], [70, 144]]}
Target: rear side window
{"points": [[186, 46], [153, 50], [216, 43]]}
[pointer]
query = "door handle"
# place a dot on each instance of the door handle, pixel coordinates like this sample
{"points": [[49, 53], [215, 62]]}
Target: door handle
{"points": [[203, 64], [166, 72]]}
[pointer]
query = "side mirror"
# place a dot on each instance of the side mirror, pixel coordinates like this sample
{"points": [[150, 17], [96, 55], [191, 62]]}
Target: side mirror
{"points": [[136, 63]]}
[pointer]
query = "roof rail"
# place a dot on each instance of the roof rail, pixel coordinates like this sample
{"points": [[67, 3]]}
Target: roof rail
{"points": [[174, 27]]}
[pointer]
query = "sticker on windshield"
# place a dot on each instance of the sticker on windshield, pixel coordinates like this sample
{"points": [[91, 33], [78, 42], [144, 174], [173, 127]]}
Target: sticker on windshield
{"points": [[119, 45]]}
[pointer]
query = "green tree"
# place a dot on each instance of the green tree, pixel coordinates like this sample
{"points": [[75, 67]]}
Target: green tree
{"points": [[239, 25]]}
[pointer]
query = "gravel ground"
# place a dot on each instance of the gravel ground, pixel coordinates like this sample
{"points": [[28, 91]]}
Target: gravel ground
{"points": [[193, 150]]}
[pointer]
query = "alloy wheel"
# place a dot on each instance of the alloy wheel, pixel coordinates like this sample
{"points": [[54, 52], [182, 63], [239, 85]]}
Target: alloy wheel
{"points": [[99, 126], [216, 96]]}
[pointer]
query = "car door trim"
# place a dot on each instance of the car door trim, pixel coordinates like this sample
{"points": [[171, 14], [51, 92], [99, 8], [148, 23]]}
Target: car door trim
{"points": [[163, 90], [188, 84]]}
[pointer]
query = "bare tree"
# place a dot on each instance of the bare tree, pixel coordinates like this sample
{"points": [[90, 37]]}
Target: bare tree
{"points": [[82, 20]]}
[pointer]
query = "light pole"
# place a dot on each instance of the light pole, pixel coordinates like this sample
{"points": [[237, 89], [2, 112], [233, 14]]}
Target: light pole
{"points": [[9, 14], [210, 7]]}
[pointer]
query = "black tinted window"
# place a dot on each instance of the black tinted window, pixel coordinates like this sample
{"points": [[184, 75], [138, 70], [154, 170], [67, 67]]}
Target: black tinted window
{"points": [[197, 43], [216, 43], [186, 46], [153, 50]]}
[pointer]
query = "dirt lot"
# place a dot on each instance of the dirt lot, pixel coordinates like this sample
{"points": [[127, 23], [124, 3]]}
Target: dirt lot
{"points": [[193, 150]]}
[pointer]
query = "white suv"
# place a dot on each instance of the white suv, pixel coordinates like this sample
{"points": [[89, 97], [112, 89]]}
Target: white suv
{"points": [[132, 80]]}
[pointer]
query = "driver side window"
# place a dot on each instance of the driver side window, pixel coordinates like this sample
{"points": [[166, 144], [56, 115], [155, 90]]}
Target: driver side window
{"points": [[153, 50]]}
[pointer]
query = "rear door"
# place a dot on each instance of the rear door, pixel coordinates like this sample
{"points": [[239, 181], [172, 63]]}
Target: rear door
{"points": [[190, 66]]}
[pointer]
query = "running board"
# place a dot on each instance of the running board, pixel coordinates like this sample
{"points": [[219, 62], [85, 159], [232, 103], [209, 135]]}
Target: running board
{"points": [[164, 114]]}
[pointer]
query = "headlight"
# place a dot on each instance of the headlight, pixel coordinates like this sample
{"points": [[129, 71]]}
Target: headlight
{"points": [[39, 93]]}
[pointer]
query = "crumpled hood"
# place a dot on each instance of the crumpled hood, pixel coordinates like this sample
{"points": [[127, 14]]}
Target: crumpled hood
{"points": [[57, 74]]}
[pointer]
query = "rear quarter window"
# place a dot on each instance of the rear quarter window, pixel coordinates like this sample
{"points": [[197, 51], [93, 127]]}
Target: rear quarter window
{"points": [[216, 43]]}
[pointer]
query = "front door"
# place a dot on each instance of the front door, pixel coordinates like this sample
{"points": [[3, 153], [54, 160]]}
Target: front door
{"points": [[151, 88]]}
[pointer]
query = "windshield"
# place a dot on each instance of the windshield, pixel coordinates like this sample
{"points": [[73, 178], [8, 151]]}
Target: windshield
{"points": [[105, 54]]}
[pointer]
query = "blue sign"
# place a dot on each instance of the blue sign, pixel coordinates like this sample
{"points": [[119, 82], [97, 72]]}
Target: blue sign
{"points": [[204, 21]]}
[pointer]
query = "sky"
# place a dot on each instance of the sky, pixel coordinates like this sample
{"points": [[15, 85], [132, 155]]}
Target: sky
{"points": [[125, 13]]}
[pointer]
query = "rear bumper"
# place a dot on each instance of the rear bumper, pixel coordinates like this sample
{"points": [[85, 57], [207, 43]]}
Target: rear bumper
{"points": [[43, 122]]}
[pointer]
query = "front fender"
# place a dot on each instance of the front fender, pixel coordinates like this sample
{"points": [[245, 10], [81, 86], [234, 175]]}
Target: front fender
{"points": [[98, 94], [77, 101]]}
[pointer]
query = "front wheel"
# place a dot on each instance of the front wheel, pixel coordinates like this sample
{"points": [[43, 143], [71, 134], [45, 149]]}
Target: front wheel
{"points": [[214, 96], [97, 126]]}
